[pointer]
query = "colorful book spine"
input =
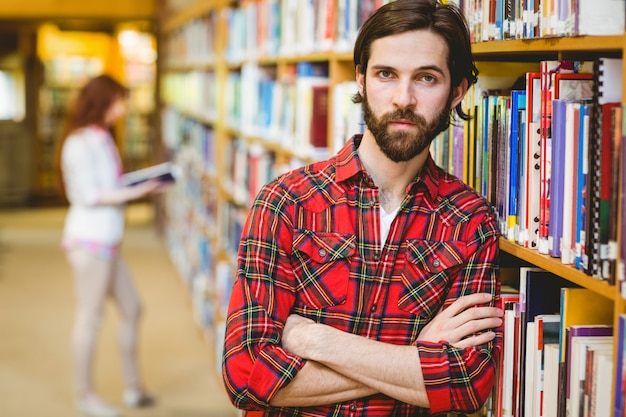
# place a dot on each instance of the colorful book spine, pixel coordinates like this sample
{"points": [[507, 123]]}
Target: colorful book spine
{"points": [[582, 215], [533, 150], [621, 264], [518, 103], [559, 110], [619, 387]]}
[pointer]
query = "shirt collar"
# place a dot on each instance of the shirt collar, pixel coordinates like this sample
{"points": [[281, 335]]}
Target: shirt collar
{"points": [[349, 165]]}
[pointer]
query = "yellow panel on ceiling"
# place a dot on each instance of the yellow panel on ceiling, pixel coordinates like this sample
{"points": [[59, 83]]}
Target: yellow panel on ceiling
{"points": [[77, 8], [52, 42]]}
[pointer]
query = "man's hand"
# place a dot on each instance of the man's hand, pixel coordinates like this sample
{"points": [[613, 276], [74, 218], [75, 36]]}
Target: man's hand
{"points": [[458, 323]]}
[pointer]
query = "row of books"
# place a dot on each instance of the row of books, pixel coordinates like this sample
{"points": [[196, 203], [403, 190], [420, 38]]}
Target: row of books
{"points": [[273, 28], [193, 43], [292, 111], [194, 92], [193, 137], [517, 19], [545, 151], [558, 351]]}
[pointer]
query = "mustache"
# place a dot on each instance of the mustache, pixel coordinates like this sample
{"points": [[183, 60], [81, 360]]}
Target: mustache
{"points": [[405, 114]]}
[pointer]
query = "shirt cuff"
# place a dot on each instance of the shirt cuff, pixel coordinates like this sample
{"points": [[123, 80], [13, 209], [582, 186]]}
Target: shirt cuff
{"points": [[272, 370], [436, 374]]}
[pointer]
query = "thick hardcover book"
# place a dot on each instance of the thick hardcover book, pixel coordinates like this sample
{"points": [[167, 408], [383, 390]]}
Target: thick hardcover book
{"points": [[612, 247], [606, 188], [607, 89], [166, 172]]}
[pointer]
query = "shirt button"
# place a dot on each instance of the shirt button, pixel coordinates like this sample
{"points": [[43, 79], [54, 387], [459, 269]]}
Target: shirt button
{"points": [[436, 263], [377, 256], [373, 308], [322, 252], [353, 407]]}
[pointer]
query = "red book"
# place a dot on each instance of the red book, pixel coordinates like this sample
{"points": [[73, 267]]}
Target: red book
{"points": [[554, 74], [319, 119]]}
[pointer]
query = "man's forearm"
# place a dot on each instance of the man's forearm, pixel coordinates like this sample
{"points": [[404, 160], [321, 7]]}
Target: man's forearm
{"points": [[315, 385], [389, 369]]}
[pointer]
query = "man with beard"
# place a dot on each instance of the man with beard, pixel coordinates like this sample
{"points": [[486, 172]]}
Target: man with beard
{"points": [[366, 283]]}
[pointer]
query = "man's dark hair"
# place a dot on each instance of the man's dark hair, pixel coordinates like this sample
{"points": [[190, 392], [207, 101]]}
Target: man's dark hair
{"points": [[401, 16]]}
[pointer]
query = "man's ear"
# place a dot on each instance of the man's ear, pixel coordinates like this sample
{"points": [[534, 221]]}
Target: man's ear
{"points": [[360, 80], [458, 92]]}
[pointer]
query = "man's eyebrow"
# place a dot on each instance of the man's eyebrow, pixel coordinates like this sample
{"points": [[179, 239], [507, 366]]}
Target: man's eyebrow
{"points": [[436, 68]]}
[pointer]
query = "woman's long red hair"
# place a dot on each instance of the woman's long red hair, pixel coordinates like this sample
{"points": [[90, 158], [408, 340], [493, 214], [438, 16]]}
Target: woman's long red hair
{"points": [[89, 108]]}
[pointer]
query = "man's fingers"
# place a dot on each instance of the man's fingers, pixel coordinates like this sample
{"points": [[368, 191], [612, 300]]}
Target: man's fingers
{"points": [[476, 340], [463, 303]]}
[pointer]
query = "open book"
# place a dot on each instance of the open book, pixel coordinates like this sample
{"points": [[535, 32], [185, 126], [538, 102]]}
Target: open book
{"points": [[166, 172]]}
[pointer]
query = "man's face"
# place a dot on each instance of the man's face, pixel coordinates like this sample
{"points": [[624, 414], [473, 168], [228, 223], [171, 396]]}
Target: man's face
{"points": [[407, 97]]}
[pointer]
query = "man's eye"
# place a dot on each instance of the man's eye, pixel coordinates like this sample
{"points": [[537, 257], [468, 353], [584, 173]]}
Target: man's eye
{"points": [[429, 79], [384, 74]]}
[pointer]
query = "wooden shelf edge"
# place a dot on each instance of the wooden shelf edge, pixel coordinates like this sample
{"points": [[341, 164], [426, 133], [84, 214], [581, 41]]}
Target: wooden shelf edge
{"points": [[555, 266], [560, 44]]}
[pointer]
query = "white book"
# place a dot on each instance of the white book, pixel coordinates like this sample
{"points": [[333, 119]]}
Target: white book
{"points": [[602, 388], [530, 368], [166, 172], [547, 328], [578, 361], [600, 17], [550, 379], [567, 252]]}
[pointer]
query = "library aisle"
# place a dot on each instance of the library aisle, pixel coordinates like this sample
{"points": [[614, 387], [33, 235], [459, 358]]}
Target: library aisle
{"points": [[36, 312]]}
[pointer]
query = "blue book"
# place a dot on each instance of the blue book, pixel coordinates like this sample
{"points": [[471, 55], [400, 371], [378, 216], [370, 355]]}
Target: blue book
{"points": [[583, 141], [521, 184], [499, 35], [620, 367], [518, 103]]}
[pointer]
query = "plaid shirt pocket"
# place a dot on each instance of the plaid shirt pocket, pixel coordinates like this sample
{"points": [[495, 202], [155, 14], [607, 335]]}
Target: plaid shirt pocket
{"points": [[426, 276], [321, 262]]}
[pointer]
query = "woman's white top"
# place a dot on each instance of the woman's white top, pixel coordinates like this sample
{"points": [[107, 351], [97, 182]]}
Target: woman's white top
{"points": [[91, 165]]}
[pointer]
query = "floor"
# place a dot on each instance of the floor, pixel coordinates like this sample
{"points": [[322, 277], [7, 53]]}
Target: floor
{"points": [[36, 311]]}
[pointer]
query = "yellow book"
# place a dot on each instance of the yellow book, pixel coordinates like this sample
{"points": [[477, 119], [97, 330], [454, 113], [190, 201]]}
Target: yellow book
{"points": [[581, 306]]}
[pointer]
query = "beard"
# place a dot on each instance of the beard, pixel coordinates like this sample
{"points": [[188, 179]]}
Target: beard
{"points": [[403, 146]]}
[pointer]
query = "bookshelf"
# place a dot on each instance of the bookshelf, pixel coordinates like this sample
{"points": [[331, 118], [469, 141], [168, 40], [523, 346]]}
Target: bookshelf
{"points": [[211, 134]]}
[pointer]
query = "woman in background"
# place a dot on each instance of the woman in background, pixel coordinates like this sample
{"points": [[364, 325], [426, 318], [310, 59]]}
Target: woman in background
{"points": [[92, 177]]}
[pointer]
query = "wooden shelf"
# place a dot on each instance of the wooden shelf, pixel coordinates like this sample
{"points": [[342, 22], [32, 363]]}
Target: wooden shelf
{"points": [[555, 266], [557, 44]]}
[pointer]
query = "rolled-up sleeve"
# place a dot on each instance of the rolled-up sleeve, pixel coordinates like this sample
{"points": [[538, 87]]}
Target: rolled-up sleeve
{"points": [[255, 366], [462, 379]]}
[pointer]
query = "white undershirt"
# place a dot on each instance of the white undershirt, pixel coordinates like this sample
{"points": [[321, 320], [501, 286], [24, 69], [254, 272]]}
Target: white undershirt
{"points": [[385, 223]]}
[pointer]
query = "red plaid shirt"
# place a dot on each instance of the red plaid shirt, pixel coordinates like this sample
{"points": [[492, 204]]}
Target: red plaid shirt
{"points": [[311, 246]]}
